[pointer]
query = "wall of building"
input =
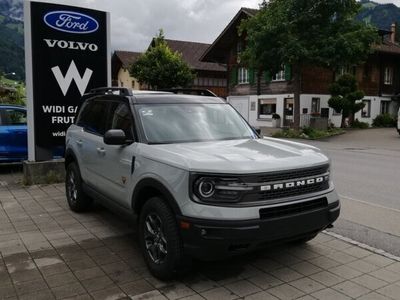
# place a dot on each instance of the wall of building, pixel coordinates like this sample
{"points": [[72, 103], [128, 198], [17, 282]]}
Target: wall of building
{"points": [[250, 111], [125, 80]]}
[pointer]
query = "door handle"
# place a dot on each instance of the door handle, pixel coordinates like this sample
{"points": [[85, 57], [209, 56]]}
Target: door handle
{"points": [[79, 142], [101, 151]]}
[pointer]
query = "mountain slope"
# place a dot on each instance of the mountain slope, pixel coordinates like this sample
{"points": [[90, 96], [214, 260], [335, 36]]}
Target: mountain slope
{"points": [[380, 15], [12, 47], [12, 38]]}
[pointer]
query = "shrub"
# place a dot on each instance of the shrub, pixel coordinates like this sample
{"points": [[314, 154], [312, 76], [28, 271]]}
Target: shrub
{"points": [[359, 124], [384, 120], [276, 116]]}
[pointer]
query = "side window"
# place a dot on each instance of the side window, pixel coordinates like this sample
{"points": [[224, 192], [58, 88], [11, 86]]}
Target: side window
{"points": [[92, 116], [120, 117], [11, 116]]}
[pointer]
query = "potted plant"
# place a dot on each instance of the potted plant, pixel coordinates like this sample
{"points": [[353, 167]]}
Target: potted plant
{"points": [[276, 120]]}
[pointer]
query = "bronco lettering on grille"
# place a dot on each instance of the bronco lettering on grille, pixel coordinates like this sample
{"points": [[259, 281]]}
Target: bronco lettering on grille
{"points": [[292, 184]]}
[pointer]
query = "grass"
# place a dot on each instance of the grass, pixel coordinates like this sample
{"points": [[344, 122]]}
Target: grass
{"points": [[308, 133]]}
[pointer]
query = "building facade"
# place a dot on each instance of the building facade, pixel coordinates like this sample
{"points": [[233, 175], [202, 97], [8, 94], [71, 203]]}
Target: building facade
{"points": [[211, 76], [260, 95], [120, 65], [208, 75]]}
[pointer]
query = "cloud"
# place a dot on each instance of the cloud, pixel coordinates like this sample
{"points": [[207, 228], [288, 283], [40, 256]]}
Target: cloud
{"points": [[135, 22]]}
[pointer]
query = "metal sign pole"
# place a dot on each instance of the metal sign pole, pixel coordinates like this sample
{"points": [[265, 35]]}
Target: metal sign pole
{"points": [[29, 81]]}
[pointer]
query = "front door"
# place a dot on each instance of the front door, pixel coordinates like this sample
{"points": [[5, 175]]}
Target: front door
{"points": [[288, 110], [118, 162]]}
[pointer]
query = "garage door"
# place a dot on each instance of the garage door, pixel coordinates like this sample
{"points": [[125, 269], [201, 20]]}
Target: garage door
{"points": [[241, 105]]}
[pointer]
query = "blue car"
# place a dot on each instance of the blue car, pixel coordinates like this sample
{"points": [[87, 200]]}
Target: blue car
{"points": [[13, 133]]}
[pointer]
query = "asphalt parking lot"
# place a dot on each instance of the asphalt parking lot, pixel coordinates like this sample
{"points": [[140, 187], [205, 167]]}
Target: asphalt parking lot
{"points": [[365, 170], [47, 251]]}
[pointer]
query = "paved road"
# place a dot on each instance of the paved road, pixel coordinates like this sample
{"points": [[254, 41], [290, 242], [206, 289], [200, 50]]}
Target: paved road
{"points": [[366, 171]]}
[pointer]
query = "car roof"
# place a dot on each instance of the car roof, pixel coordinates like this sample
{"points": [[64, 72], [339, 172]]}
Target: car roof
{"points": [[12, 106]]}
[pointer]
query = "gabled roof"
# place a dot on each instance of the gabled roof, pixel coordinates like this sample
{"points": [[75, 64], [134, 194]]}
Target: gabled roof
{"points": [[387, 47], [127, 57], [223, 42], [191, 53]]}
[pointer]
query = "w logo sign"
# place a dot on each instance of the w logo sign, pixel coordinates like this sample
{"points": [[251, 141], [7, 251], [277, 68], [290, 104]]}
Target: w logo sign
{"points": [[72, 74]]}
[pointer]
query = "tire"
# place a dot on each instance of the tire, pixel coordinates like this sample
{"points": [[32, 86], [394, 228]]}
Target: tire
{"points": [[78, 201], [159, 239]]}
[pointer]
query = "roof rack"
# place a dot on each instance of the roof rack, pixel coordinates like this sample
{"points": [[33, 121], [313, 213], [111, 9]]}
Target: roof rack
{"points": [[111, 91], [189, 91]]}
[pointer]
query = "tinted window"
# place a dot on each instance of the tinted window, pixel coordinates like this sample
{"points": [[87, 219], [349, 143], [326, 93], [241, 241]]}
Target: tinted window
{"points": [[11, 116], [120, 117], [93, 115]]}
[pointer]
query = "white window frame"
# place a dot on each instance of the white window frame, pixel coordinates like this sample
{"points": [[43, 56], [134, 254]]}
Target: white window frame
{"points": [[317, 107], [243, 75], [385, 105], [280, 76], [388, 76], [266, 102], [366, 111]]}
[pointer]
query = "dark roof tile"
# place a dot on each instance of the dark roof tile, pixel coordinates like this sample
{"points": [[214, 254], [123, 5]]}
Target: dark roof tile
{"points": [[192, 52], [127, 57]]}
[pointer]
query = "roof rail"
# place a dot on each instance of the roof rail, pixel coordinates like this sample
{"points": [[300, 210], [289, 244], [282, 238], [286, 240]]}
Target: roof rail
{"points": [[111, 91], [191, 91]]}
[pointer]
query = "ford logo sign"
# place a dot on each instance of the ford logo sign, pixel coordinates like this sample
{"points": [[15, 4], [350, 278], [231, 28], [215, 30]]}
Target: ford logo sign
{"points": [[72, 22]]}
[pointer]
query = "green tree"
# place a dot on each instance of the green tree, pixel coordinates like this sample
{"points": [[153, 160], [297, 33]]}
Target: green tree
{"points": [[161, 68], [301, 33], [346, 97]]}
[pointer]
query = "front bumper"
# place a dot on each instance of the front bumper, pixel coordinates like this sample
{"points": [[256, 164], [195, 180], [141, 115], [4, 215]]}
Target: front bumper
{"points": [[212, 239]]}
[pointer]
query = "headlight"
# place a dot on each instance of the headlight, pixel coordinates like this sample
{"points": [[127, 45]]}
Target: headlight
{"points": [[206, 188], [217, 189]]}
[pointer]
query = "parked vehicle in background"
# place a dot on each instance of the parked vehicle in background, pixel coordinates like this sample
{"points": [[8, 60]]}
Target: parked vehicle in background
{"points": [[398, 121], [201, 181], [13, 133]]}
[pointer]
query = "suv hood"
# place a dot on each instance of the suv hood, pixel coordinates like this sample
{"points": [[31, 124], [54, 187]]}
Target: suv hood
{"points": [[237, 156]]}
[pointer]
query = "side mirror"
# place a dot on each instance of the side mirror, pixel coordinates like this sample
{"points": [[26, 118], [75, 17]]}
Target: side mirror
{"points": [[257, 130], [115, 137]]}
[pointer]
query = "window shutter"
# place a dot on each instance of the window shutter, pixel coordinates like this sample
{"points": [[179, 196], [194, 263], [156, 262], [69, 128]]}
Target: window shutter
{"points": [[288, 72], [267, 76], [233, 76], [251, 75]]}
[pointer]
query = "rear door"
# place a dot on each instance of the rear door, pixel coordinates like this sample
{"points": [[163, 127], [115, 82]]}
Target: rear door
{"points": [[13, 134]]}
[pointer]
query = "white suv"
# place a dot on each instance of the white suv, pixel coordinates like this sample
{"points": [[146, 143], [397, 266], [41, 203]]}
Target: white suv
{"points": [[202, 182]]}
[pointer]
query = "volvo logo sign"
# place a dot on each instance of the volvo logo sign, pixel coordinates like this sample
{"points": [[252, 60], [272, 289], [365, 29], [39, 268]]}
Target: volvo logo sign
{"points": [[72, 22]]}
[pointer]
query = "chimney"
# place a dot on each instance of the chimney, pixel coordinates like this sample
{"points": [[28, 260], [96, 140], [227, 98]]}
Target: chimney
{"points": [[393, 34]]}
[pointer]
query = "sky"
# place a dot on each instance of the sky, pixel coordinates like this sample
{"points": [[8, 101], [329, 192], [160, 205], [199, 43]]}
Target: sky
{"points": [[135, 22]]}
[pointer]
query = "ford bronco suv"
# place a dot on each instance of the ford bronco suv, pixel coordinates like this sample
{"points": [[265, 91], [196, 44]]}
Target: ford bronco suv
{"points": [[200, 180]]}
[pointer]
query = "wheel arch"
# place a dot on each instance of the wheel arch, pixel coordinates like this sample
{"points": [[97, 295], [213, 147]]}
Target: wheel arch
{"points": [[70, 157], [148, 188]]}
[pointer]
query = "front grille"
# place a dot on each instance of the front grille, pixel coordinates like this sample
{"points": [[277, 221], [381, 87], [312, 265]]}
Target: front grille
{"points": [[285, 176], [291, 209]]}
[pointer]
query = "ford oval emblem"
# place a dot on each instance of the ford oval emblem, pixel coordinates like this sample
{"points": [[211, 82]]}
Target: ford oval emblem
{"points": [[72, 22]]}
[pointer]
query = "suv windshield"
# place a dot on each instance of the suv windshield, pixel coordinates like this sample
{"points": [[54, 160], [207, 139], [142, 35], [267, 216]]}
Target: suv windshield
{"points": [[180, 123]]}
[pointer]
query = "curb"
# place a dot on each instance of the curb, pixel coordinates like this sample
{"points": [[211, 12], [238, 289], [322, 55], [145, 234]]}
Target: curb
{"points": [[363, 246]]}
